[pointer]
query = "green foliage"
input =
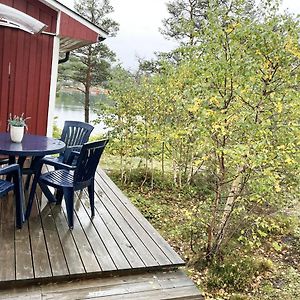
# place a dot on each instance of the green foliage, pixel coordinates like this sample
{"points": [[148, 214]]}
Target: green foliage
{"points": [[56, 132], [17, 121], [236, 274], [239, 297], [228, 109], [284, 284], [263, 228], [180, 217]]}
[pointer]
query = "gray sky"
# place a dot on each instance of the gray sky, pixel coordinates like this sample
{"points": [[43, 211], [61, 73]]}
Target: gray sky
{"points": [[139, 34]]}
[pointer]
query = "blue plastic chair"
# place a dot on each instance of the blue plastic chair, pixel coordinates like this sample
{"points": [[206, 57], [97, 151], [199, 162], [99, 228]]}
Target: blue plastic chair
{"points": [[7, 186], [69, 179], [74, 135]]}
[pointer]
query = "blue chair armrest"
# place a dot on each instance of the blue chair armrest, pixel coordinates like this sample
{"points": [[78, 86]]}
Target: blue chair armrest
{"points": [[57, 164], [68, 153], [71, 157], [9, 169], [75, 148]]}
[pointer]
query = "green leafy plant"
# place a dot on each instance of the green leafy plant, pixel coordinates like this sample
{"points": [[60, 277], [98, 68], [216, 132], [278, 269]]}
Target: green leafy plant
{"points": [[17, 121], [236, 274]]}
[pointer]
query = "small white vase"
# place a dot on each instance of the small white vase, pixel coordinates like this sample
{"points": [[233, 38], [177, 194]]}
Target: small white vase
{"points": [[16, 134]]}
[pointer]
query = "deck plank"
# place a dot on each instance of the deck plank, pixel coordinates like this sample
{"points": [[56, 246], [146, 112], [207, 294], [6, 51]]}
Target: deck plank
{"points": [[143, 252], [132, 239], [150, 252], [158, 285], [7, 235], [101, 252], [122, 240], [7, 253], [28, 293], [24, 267], [72, 256], [82, 243], [55, 251], [40, 257], [160, 242], [7, 211], [110, 243]]}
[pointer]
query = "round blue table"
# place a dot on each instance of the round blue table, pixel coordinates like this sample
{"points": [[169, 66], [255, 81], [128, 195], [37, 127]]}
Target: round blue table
{"points": [[36, 146], [31, 145]]}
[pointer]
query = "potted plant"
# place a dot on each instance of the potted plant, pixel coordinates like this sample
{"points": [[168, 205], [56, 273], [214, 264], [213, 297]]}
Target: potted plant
{"points": [[17, 125]]}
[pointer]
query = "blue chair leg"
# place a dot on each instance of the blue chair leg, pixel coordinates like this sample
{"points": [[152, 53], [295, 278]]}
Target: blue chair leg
{"points": [[69, 198], [59, 196], [92, 197], [47, 192]]}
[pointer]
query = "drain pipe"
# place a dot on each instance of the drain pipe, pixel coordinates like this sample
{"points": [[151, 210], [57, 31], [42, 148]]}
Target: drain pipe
{"points": [[65, 59]]}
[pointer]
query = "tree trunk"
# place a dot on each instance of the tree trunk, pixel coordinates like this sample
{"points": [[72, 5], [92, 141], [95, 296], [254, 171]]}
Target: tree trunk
{"points": [[152, 173], [234, 193], [213, 221], [220, 178], [87, 105], [163, 160], [179, 170], [191, 171], [174, 170]]}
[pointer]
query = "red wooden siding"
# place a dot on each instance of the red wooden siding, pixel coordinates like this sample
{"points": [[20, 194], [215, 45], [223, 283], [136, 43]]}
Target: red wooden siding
{"points": [[25, 68], [75, 30]]}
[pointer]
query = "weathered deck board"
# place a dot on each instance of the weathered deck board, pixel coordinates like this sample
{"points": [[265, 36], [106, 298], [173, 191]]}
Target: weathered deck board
{"points": [[101, 252], [24, 269], [149, 286], [39, 252], [110, 243], [84, 247], [73, 258], [7, 232], [118, 240], [123, 216], [55, 251], [7, 255], [148, 228], [124, 244]]}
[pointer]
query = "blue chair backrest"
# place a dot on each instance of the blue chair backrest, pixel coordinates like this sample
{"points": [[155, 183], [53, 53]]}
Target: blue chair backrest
{"points": [[88, 160], [76, 133]]}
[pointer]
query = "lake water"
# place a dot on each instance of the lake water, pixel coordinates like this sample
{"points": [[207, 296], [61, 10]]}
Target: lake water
{"points": [[76, 113], [68, 109]]}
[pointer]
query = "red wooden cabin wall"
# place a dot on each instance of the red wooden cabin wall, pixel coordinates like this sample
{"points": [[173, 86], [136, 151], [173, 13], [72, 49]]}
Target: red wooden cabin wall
{"points": [[25, 68]]}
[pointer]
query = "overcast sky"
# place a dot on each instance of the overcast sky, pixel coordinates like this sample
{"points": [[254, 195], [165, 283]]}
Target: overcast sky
{"points": [[139, 34]]}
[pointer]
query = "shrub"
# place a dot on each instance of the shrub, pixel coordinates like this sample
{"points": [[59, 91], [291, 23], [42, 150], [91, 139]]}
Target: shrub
{"points": [[236, 274]]}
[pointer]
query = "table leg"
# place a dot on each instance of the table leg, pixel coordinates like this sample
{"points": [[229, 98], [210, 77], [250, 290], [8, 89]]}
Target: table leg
{"points": [[21, 161], [33, 166], [12, 160], [37, 172]]}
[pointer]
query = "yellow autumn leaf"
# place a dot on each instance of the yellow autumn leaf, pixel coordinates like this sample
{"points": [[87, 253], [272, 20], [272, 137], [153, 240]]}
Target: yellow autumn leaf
{"points": [[279, 107]]}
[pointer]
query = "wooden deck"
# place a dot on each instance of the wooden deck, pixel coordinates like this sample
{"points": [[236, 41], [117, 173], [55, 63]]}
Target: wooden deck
{"points": [[118, 241], [153, 286]]}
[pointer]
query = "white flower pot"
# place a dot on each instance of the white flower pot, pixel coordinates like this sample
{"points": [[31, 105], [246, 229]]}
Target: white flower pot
{"points": [[16, 134]]}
